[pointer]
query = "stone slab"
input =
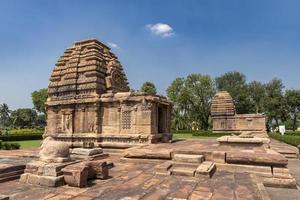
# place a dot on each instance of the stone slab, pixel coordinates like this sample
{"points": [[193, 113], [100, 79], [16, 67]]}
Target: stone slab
{"points": [[87, 152], [4, 197], [205, 169], [76, 175], [264, 171], [48, 181], [256, 158], [188, 158], [280, 183], [183, 171]]}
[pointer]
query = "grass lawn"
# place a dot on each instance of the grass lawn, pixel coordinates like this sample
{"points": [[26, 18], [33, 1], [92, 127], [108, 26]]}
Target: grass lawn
{"points": [[292, 139], [28, 143], [191, 136]]}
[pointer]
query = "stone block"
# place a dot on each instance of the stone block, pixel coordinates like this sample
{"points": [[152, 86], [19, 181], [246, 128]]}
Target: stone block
{"points": [[48, 181], [97, 169], [76, 175], [183, 171], [264, 171], [163, 169], [280, 183], [218, 156], [4, 197], [206, 169], [256, 158], [87, 152], [188, 158]]}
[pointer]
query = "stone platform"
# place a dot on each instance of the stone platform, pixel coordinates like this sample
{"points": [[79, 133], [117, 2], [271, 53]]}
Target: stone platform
{"points": [[138, 179]]}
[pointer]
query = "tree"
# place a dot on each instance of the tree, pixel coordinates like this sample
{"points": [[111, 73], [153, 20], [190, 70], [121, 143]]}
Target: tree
{"points": [[274, 104], [235, 83], [257, 94], [4, 115], [23, 117], [292, 98], [192, 99], [148, 88], [38, 99]]}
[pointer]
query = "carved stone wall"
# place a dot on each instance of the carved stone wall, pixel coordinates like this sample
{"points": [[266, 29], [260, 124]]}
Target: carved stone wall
{"points": [[225, 118], [89, 102]]}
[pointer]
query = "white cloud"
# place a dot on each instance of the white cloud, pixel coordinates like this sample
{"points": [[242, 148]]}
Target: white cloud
{"points": [[113, 45], [161, 29]]}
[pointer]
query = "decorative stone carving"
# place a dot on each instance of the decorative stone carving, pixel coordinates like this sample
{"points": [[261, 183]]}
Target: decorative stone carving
{"points": [[54, 151], [225, 118], [89, 93]]}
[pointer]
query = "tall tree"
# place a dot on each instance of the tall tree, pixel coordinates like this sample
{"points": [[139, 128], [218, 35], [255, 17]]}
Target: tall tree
{"points": [[274, 103], [192, 98], [235, 83], [178, 94], [292, 98], [257, 94], [4, 115], [38, 99], [24, 117], [149, 88]]}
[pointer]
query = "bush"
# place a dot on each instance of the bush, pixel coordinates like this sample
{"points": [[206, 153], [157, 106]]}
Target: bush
{"points": [[26, 131], [15, 145], [0, 144], [289, 138], [10, 146], [6, 146], [21, 137], [203, 133]]}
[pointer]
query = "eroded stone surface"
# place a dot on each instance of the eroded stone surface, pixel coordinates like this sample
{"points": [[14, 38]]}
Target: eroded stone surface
{"points": [[225, 118], [90, 103]]}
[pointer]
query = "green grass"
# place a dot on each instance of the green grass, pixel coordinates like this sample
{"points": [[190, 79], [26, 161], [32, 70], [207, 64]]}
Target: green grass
{"points": [[292, 139], [28, 143], [197, 134]]}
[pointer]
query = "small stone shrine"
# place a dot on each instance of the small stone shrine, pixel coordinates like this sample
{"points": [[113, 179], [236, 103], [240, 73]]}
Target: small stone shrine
{"points": [[225, 118], [90, 103]]}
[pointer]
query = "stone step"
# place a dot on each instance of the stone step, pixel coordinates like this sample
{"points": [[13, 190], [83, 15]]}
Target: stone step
{"points": [[8, 174], [182, 171], [9, 178], [188, 158], [206, 169]]}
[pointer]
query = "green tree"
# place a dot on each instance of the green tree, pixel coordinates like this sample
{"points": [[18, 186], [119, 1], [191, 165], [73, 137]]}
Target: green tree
{"points": [[4, 115], [257, 94], [192, 99], [275, 104], [148, 88], [38, 99], [235, 83], [292, 98], [178, 94], [24, 117]]}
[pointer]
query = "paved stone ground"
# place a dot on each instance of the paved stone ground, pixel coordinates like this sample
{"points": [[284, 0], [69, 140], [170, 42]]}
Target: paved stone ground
{"points": [[138, 181]]}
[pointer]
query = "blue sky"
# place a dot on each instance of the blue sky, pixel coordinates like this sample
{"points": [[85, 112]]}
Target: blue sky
{"points": [[156, 40]]}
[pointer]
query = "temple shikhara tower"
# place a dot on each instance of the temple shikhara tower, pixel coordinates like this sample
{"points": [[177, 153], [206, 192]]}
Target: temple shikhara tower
{"points": [[225, 118], [90, 103]]}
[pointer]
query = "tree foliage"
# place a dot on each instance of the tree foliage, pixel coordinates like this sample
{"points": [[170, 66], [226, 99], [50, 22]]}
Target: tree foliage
{"points": [[38, 99], [292, 98], [235, 83], [23, 117], [148, 88], [4, 115], [192, 100]]}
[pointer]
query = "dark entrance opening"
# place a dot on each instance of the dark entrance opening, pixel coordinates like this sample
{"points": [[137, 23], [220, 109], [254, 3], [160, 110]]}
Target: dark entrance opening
{"points": [[160, 120]]}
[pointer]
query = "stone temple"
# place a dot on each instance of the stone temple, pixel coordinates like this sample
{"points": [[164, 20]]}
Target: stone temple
{"points": [[225, 118], [91, 105]]}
